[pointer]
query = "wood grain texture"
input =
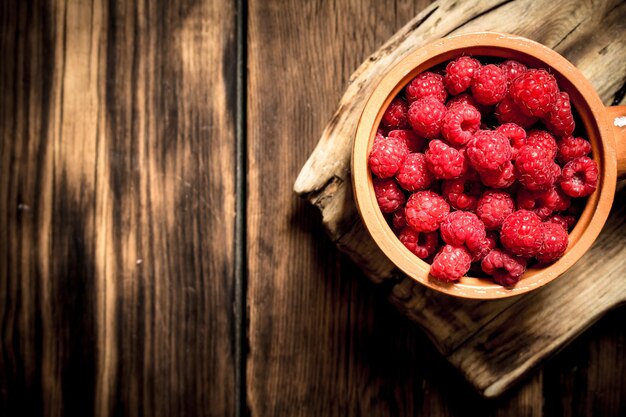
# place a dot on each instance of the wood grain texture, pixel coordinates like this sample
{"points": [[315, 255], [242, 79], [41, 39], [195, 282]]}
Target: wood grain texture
{"points": [[117, 208]]}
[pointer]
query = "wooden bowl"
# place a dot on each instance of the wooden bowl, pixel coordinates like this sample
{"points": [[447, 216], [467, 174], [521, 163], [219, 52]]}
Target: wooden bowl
{"points": [[602, 124]]}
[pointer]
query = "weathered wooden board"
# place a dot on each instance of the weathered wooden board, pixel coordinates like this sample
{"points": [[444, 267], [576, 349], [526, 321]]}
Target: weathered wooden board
{"points": [[493, 343]]}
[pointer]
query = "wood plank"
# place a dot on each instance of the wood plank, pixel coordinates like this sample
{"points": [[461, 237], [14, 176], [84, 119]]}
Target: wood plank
{"points": [[117, 208]]}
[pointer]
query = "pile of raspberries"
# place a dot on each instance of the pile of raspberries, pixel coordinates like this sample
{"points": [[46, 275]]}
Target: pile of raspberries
{"points": [[475, 167]]}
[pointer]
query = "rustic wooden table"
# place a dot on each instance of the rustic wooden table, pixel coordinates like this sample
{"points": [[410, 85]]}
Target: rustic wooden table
{"points": [[154, 259]]}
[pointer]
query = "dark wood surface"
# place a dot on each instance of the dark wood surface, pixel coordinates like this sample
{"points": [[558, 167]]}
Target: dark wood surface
{"points": [[153, 257]]}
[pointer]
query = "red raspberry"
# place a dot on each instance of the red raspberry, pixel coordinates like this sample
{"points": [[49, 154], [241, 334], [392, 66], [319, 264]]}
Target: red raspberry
{"points": [[570, 147], [460, 123], [413, 174], [444, 161], [386, 156], [421, 244], [541, 139], [555, 241], [505, 268], [425, 210], [501, 178], [488, 244], [493, 207], [522, 233], [512, 69], [534, 169], [451, 263], [413, 142], [426, 117], [463, 192], [489, 84], [466, 98], [509, 112], [488, 150], [398, 219], [516, 135], [560, 120], [463, 228], [426, 84], [389, 196], [459, 74], [535, 92], [543, 202], [579, 177], [567, 222], [395, 116]]}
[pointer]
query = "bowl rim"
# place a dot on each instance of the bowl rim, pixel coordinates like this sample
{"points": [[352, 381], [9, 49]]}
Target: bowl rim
{"points": [[592, 113]]}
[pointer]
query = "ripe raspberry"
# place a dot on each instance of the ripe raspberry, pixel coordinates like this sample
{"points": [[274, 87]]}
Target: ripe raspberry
{"points": [[451, 263], [488, 150], [541, 139], [460, 123], [522, 233], [444, 161], [543, 202], [570, 147], [560, 120], [426, 84], [466, 98], [555, 241], [425, 210], [505, 268], [395, 117], [459, 74], [509, 112], [386, 156], [398, 219], [579, 177], [516, 136], [567, 222], [535, 92], [413, 174], [413, 142], [534, 169], [463, 228], [493, 207], [421, 244], [389, 196], [489, 84], [488, 244], [501, 178], [512, 69], [426, 117], [462, 193]]}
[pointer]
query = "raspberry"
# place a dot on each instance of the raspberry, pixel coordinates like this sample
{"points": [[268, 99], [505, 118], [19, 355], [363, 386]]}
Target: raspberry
{"points": [[512, 69], [560, 120], [462, 193], [488, 150], [413, 142], [509, 112], [459, 74], [425, 210], [535, 92], [555, 241], [501, 178], [398, 220], [543, 202], [516, 135], [541, 139], [395, 116], [421, 244], [465, 98], [426, 117], [506, 269], [579, 177], [444, 161], [386, 156], [570, 147], [451, 263], [522, 233], [493, 207], [567, 222], [489, 84], [534, 169], [463, 228], [488, 244], [426, 84], [389, 196], [413, 174], [460, 123]]}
